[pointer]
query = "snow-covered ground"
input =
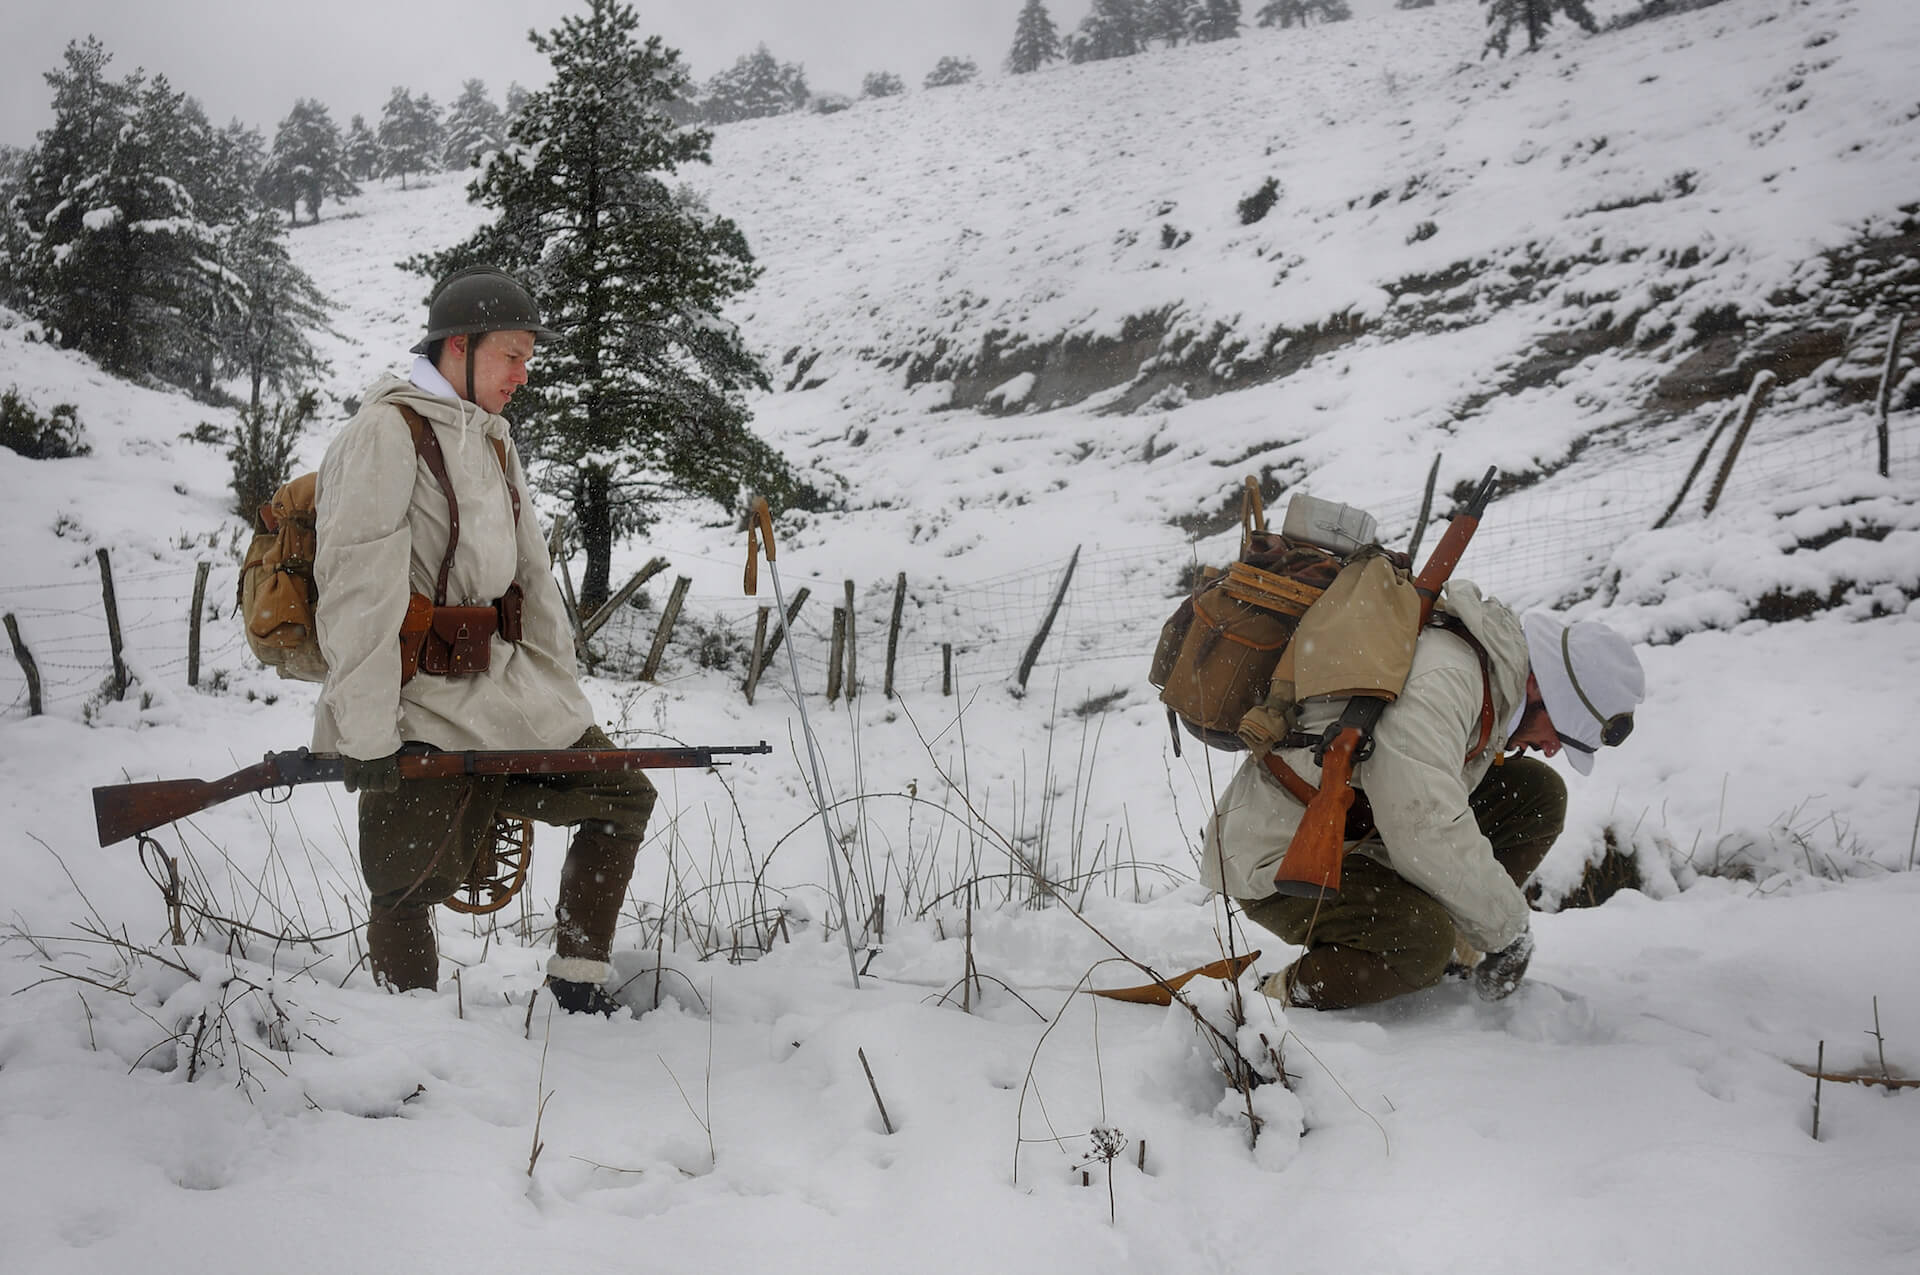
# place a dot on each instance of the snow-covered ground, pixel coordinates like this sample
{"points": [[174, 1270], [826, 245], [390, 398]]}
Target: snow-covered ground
{"points": [[239, 1102]]}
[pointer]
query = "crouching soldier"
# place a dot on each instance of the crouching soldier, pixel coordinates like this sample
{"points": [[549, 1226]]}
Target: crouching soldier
{"points": [[1446, 830], [442, 628]]}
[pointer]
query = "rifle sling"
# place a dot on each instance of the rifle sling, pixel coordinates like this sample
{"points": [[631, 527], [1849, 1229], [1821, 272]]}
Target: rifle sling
{"points": [[1360, 815]]}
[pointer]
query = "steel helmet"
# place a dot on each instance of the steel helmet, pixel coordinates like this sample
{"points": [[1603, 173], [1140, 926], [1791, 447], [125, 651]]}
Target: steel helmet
{"points": [[481, 299]]}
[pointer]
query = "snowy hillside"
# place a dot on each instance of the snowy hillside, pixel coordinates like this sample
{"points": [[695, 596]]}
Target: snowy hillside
{"points": [[1005, 321]]}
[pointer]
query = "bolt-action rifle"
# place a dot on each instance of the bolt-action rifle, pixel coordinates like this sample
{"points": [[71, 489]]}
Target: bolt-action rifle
{"points": [[1311, 867], [128, 810]]}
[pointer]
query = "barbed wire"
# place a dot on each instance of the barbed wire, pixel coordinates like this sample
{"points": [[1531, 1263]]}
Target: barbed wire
{"points": [[1549, 542]]}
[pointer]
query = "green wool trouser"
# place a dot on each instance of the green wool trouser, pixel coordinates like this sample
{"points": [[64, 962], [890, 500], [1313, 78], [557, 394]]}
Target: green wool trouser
{"points": [[1384, 936], [419, 843]]}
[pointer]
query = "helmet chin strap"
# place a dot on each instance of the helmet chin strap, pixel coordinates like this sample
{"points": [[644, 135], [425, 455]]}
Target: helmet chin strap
{"points": [[471, 339]]}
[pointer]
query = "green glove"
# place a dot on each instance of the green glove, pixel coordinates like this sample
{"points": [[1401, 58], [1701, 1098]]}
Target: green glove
{"points": [[379, 774]]}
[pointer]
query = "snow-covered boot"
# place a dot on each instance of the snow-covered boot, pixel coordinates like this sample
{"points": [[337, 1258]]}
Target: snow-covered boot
{"points": [[593, 884]]}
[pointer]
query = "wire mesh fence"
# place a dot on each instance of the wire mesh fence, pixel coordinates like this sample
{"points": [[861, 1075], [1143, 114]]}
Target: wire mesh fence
{"points": [[1550, 542]]}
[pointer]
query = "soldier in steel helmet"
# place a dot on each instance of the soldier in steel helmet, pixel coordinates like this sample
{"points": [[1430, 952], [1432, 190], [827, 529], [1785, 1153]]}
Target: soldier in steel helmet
{"points": [[422, 504]]}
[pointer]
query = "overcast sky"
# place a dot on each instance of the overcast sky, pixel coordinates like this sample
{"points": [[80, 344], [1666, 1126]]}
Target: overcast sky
{"points": [[252, 58]]}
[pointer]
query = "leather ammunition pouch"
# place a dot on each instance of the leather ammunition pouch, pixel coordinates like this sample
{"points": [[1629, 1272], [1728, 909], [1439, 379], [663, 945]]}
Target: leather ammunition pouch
{"points": [[454, 641]]}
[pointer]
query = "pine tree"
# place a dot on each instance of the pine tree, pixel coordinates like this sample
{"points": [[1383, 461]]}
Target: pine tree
{"points": [[949, 71], [267, 337], [755, 86], [411, 138], [882, 84], [1166, 20], [1036, 41], [123, 238], [516, 100], [115, 259], [1289, 13], [641, 401], [1535, 16], [1114, 29], [308, 161], [1215, 20], [475, 126], [361, 151]]}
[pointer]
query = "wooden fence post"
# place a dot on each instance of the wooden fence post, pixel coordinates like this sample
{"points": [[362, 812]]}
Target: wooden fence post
{"points": [[660, 635], [780, 634], [193, 622], [835, 653], [1886, 390], [1756, 396], [946, 668], [611, 606], [758, 661], [893, 627], [27, 666], [1046, 625], [1699, 463], [852, 681], [1426, 509], [113, 625]]}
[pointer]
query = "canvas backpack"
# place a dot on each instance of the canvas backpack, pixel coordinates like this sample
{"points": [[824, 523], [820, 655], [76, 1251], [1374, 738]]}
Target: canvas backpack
{"points": [[277, 596], [1230, 648]]}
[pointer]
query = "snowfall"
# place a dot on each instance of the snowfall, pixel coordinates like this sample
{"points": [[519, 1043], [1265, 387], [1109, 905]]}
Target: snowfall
{"points": [[238, 1096]]}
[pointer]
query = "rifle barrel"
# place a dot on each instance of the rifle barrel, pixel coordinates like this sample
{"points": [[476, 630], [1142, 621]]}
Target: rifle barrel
{"points": [[126, 810]]}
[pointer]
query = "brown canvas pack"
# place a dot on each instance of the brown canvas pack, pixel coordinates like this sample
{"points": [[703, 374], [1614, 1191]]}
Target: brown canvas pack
{"points": [[1232, 646], [277, 595]]}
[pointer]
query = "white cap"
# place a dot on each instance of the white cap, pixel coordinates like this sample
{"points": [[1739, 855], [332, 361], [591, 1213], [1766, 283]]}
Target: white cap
{"points": [[1588, 676]]}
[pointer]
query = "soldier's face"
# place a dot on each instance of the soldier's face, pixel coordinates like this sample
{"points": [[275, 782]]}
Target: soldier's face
{"points": [[499, 367]]}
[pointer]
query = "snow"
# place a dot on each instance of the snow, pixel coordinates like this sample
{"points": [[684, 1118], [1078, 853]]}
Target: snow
{"points": [[1634, 1106]]}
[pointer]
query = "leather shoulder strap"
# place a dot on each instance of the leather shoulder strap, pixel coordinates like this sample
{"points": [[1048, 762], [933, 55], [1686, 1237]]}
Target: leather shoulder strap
{"points": [[1455, 625], [427, 443]]}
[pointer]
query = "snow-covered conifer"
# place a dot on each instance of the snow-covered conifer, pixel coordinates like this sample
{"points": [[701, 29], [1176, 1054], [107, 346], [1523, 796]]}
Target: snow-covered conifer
{"points": [[308, 161], [1113, 29], [474, 126], [1214, 20], [1036, 41], [641, 400], [411, 136], [1535, 16], [1299, 13], [360, 150], [882, 84], [755, 86], [949, 71]]}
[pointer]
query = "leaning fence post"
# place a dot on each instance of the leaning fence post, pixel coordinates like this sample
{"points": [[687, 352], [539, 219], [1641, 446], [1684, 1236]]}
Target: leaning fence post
{"points": [[835, 653], [758, 661], [1886, 389], [193, 622], [1757, 395], [780, 634], [27, 667], [611, 606], [113, 625], [1426, 508], [660, 635], [1046, 625], [893, 627], [1699, 463]]}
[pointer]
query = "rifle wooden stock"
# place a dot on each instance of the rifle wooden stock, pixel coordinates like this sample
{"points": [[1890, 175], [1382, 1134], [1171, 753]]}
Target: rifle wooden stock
{"points": [[1311, 867], [127, 810]]}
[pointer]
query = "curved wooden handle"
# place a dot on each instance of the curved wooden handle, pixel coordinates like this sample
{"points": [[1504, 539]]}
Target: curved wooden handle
{"points": [[759, 532]]}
